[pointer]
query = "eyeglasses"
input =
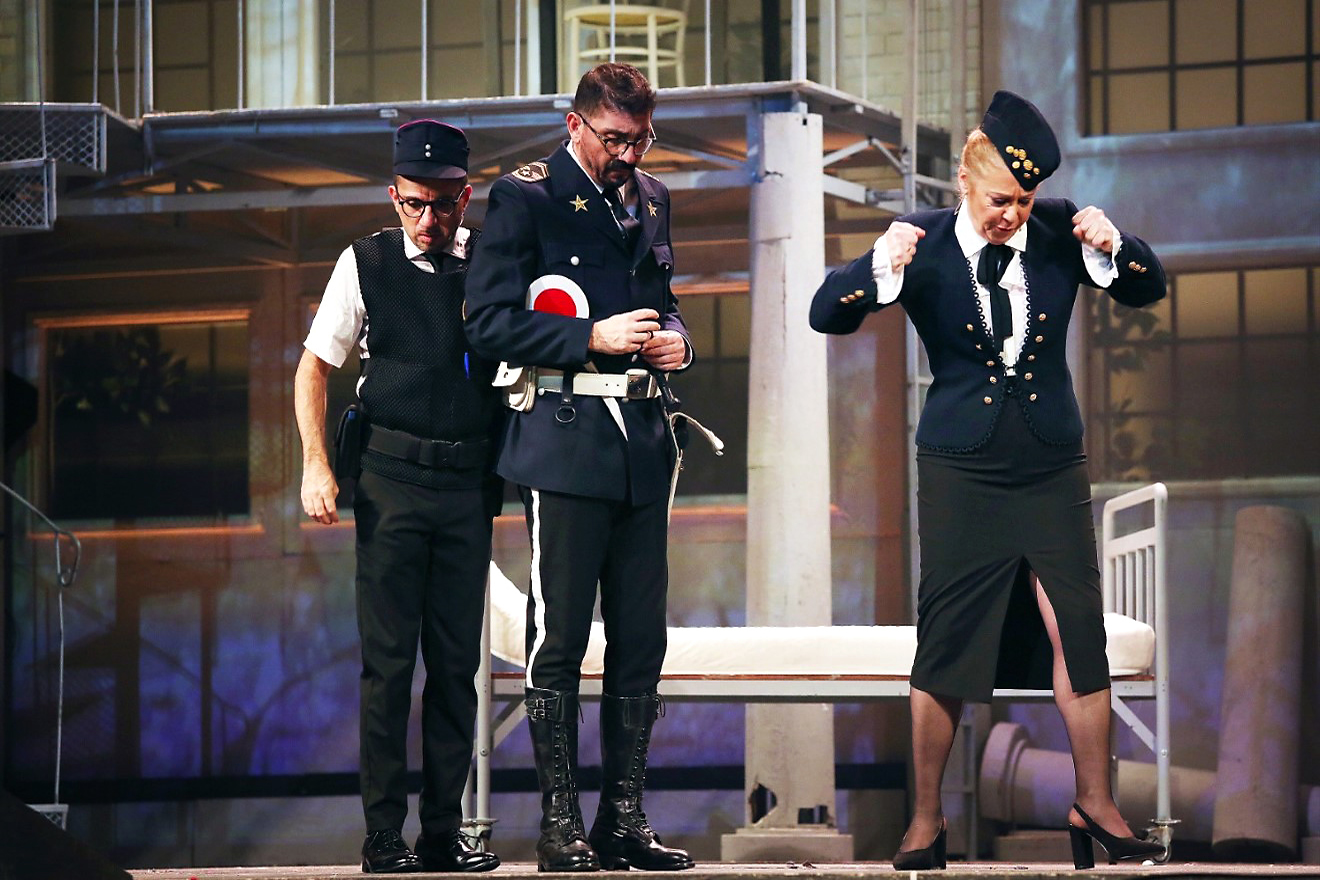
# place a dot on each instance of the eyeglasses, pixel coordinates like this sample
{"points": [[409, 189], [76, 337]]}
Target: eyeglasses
{"points": [[415, 207], [617, 146]]}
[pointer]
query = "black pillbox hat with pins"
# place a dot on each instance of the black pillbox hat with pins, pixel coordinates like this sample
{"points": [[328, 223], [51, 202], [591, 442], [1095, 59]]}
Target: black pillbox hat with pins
{"points": [[1025, 140]]}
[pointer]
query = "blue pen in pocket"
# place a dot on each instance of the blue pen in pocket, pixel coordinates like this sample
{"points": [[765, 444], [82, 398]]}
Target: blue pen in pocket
{"points": [[467, 366]]}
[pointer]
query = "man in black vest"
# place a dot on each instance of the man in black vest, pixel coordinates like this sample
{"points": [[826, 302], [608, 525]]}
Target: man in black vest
{"points": [[425, 495], [591, 454]]}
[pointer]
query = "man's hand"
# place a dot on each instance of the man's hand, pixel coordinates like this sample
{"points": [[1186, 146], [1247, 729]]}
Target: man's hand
{"points": [[319, 491], [666, 350], [624, 333], [901, 241], [1091, 226]]}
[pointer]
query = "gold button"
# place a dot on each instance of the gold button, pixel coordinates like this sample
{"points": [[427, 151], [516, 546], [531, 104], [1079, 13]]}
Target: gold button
{"points": [[1026, 376], [1040, 317], [994, 381], [988, 399], [1031, 357], [1010, 149], [1017, 164], [988, 363], [857, 293], [843, 299], [1032, 397], [969, 328], [1133, 265], [1040, 339]]}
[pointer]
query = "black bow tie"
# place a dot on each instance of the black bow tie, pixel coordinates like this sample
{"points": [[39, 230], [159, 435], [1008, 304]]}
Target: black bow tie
{"points": [[989, 272]]}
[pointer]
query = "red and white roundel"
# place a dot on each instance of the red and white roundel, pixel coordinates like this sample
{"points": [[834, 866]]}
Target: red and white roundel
{"points": [[557, 295]]}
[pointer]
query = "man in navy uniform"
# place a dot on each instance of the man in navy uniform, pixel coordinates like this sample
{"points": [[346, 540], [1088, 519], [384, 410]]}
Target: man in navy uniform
{"points": [[423, 504], [591, 454]]}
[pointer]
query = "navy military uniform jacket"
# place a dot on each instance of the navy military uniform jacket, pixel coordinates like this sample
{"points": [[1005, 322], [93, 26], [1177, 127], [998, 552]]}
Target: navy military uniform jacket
{"points": [[939, 295], [549, 218]]}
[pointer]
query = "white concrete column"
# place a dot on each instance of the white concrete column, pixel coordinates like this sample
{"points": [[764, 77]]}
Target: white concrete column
{"points": [[790, 747], [280, 63]]}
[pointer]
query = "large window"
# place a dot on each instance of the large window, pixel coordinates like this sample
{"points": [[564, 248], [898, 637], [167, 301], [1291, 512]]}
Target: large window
{"points": [[1217, 381], [147, 417], [1172, 65]]}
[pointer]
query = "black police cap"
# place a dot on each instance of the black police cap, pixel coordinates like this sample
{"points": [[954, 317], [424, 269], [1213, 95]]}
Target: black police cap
{"points": [[1025, 140], [427, 148]]}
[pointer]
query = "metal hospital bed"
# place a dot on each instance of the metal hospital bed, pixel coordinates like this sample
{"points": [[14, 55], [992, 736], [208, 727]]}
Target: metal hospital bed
{"points": [[732, 664]]}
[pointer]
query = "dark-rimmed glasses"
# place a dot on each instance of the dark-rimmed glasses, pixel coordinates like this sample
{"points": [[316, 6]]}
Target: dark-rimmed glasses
{"points": [[617, 146], [414, 207]]}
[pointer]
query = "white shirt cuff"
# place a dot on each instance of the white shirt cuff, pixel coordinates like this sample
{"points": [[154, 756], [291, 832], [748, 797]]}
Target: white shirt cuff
{"points": [[1102, 267], [888, 283]]}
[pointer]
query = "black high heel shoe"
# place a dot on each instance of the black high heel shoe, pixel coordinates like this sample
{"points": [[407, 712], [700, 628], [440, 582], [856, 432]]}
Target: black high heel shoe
{"points": [[1116, 847], [926, 859]]}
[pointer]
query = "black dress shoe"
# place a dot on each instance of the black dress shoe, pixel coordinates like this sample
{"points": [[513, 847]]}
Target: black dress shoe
{"points": [[450, 851], [929, 858], [384, 852], [1115, 847]]}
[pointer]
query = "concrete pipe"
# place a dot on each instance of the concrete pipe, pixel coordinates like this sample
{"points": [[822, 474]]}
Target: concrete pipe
{"points": [[1255, 818], [1021, 785]]}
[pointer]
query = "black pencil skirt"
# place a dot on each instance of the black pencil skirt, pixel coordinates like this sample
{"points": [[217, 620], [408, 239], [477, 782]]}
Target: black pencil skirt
{"points": [[987, 520]]}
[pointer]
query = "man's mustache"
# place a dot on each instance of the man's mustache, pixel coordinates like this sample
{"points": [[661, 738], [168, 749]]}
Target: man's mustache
{"points": [[619, 165]]}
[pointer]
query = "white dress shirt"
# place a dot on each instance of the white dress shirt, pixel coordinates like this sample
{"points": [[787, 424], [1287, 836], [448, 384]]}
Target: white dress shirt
{"points": [[1099, 265]]}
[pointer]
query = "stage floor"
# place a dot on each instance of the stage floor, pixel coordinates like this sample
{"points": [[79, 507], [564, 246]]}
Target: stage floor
{"points": [[775, 871]]}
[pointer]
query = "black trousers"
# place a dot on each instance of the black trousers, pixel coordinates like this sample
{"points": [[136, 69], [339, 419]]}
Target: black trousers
{"points": [[423, 558], [578, 543]]}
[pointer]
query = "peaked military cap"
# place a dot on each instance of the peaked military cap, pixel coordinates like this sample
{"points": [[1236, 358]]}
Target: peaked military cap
{"points": [[427, 148], [1025, 140]]}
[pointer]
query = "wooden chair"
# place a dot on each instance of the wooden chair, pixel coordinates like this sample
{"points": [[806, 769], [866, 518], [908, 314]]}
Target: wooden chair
{"points": [[650, 37]]}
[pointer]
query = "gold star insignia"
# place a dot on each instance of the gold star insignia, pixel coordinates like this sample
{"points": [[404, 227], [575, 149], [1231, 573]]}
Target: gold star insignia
{"points": [[579, 204], [650, 206]]}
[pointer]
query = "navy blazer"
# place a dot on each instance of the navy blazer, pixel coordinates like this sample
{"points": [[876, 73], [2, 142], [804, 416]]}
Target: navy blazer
{"points": [[939, 295], [549, 218]]}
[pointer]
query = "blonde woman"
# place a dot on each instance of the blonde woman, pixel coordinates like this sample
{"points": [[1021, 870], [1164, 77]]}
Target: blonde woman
{"points": [[1010, 589]]}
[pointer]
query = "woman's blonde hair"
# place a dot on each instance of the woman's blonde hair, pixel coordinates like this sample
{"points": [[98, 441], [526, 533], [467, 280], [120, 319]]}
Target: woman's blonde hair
{"points": [[980, 157]]}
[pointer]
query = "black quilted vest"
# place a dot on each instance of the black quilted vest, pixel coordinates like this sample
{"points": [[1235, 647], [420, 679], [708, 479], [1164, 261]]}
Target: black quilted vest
{"points": [[420, 376]]}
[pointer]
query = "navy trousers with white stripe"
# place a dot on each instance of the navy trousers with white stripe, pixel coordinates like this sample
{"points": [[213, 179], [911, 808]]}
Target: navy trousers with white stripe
{"points": [[579, 543]]}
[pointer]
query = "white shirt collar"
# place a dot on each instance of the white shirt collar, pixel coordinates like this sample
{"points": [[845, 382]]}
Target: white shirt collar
{"points": [[457, 248], [971, 241], [625, 191]]}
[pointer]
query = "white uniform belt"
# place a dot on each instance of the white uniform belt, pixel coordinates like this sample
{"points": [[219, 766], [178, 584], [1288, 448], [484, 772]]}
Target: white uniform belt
{"points": [[632, 385]]}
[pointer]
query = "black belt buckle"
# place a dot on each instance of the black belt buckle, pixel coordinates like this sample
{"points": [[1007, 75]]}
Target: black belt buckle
{"points": [[641, 385]]}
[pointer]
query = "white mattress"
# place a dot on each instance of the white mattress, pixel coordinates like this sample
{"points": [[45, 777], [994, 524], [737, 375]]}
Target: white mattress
{"points": [[784, 650]]}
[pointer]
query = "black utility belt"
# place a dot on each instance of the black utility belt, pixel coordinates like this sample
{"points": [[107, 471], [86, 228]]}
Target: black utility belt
{"points": [[427, 453]]}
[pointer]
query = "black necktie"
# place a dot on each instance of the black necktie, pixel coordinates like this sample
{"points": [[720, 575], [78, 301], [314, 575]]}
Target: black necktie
{"points": [[994, 260], [628, 224]]}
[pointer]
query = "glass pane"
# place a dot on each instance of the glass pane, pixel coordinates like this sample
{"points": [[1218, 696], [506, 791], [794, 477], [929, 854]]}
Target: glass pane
{"points": [[1275, 301], [1273, 28], [172, 21], [396, 25], [1096, 107], [1206, 31], [149, 420], [735, 326], [1095, 17], [1140, 380], [699, 316], [1206, 98], [396, 76], [1272, 367], [1139, 34], [1274, 93], [1209, 448], [183, 89], [1138, 102], [1208, 377], [1207, 304]]}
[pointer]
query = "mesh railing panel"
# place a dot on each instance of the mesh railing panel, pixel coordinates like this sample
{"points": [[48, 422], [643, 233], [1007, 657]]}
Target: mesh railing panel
{"points": [[27, 197], [74, 135]]}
